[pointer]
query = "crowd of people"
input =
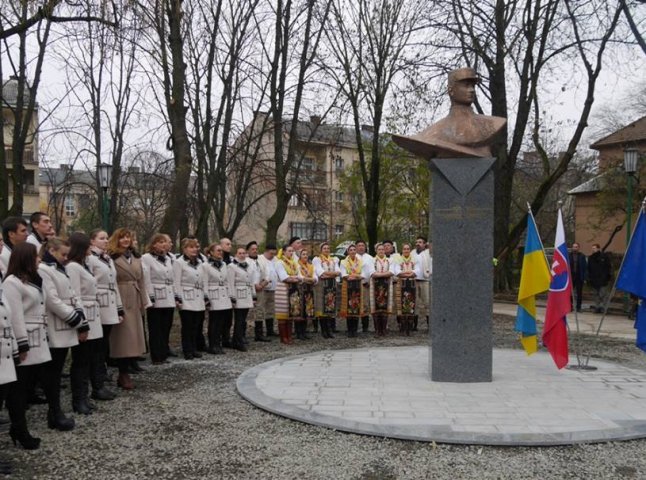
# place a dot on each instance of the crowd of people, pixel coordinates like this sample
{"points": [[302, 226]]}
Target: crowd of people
{"points": [[596, 270], [89, 296]]}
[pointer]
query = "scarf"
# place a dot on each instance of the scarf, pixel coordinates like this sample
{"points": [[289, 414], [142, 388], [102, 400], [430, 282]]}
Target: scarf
{"points": [[290, 266], [307, 269], [352, 267]]}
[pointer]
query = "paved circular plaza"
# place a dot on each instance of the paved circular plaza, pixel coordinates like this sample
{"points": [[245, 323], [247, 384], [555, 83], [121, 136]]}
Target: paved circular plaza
{"points": [[387, 392]]}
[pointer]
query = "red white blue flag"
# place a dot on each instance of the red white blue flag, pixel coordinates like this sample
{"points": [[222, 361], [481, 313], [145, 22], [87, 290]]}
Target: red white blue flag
{"points": [[559, 300]]}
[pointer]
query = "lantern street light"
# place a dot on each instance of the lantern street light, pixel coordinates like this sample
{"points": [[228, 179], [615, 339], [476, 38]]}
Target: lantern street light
{"points": [[631, 157], [105, 177]]}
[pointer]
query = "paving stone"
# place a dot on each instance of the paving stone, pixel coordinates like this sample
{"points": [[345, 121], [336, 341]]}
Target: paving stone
{"points": [[386, 391]]}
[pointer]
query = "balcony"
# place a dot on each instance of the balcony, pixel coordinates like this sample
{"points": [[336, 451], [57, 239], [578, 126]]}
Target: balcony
{"points": [[28, 157]]}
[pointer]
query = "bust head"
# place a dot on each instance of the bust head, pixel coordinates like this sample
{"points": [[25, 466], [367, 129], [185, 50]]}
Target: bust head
{"points": [[462, 86]]}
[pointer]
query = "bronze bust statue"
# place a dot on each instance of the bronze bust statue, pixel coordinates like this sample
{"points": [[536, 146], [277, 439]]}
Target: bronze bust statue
{"points": [[462, 133]]}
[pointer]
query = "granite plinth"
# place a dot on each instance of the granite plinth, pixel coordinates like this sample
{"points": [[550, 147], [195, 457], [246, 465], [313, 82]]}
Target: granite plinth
{"points": [[462, 299], [386, 392]]}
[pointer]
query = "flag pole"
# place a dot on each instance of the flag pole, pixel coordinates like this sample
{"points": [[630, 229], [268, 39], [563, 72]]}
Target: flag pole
{"points": [[577, 344], [531, 214], [642, 211]]}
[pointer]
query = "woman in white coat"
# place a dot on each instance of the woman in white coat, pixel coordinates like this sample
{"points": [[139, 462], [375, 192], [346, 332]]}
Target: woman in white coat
{"points": [[218, 292], [84, 355], [190, 281], [66, 322], [159, 276], [22, 312], [242, 294], [110, 308]]}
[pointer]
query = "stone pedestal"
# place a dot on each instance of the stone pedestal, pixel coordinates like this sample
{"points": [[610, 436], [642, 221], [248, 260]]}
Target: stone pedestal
{"points": [[462, 298]]}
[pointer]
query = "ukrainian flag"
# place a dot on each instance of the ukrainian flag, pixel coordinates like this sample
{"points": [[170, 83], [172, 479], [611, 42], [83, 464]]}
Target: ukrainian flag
{"points": [[534, 279]]}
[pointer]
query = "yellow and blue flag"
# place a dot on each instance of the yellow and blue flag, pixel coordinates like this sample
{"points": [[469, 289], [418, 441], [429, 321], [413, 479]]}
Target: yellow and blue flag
{"points": [[535, 278]]}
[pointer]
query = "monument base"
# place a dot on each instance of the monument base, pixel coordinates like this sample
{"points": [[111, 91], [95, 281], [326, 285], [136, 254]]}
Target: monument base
{"points": [[461, 299]]}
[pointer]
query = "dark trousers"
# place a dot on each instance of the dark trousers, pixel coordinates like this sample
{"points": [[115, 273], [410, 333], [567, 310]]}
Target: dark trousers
{"points": [[239, 326], [216, 320], [578, 293], [105, 342], [18, 392], [51, 380], [189, 325], [80, 370], [200, 341], [97, 363], [160, 321], [226, 328]]}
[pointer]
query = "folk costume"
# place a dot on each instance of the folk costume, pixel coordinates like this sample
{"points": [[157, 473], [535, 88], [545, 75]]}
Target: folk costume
{"points": [[368, 261], [65, 321], [325, 292], [423, 283], [406, 292], [110, 309], [85, 364], [242, 294], [220, 310], [260, 280], [352, 303], [24, 326], [266, 303], [308, 275], [288, 297], [160, 284], [381, 293], [190, 291]]}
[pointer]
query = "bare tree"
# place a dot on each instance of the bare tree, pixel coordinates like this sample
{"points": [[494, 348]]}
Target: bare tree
{"points": [[518, 44], [375, 45]]}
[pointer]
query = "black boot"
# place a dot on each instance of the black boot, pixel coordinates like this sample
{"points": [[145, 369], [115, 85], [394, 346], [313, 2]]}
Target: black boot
{"points": [[365, 322], [22, 436], [79, 380], [315, 325], [324, 328], [258, 337], [328, 327], [415, 322], [103, 393], [269, 323], [56, 420], [304, 335]]}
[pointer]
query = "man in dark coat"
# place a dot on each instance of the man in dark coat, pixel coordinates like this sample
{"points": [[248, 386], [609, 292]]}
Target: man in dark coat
{"points": [[599, 275], [578, 268]]}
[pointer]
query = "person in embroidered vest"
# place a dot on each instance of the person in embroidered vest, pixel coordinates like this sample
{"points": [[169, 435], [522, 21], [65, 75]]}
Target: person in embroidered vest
{"points": [[242, 293], [190, 283], [127, 341], [24, 316], [217, 289], [366, 259], [266, 303], [66, 322], [260, 281], [422, 257], [160, 282], [14, 232], [86, 357], [381, 290], [308, 281], [327, 270], [288, 299], [110, 309], [406, 270], [353, 273]]}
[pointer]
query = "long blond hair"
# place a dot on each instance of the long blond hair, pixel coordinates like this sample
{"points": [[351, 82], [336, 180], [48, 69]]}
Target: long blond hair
{"points": [[114, 249]]}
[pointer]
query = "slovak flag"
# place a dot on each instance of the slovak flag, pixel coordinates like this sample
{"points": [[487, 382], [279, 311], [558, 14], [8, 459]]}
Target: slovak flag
{"points": [[559, 300]]}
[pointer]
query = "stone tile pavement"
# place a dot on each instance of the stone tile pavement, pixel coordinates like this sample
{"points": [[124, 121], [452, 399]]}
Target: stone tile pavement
{"points": [[387, 392]]}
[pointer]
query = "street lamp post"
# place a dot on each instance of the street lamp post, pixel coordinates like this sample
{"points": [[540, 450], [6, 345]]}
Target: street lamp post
{"points": [[105, 177]]}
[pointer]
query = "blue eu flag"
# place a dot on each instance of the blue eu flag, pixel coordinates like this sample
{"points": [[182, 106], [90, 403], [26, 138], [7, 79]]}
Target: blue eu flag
{"points": [[632, 276]]}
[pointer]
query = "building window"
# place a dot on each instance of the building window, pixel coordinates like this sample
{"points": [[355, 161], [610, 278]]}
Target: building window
{"points": [[297, 200], [309, 230], [70, 205], [338, 197], [308, 163], [339, 164], [339, 230]]}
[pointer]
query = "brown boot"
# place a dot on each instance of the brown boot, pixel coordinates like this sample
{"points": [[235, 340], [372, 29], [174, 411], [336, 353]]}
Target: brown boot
{"points": [[282, 332], [124, 381], [290, 329]]}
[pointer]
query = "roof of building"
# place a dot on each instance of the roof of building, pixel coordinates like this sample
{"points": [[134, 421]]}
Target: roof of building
{"points": [[633, 132], [323, 133], [595, 184], [60, 176], [10, 92]]}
